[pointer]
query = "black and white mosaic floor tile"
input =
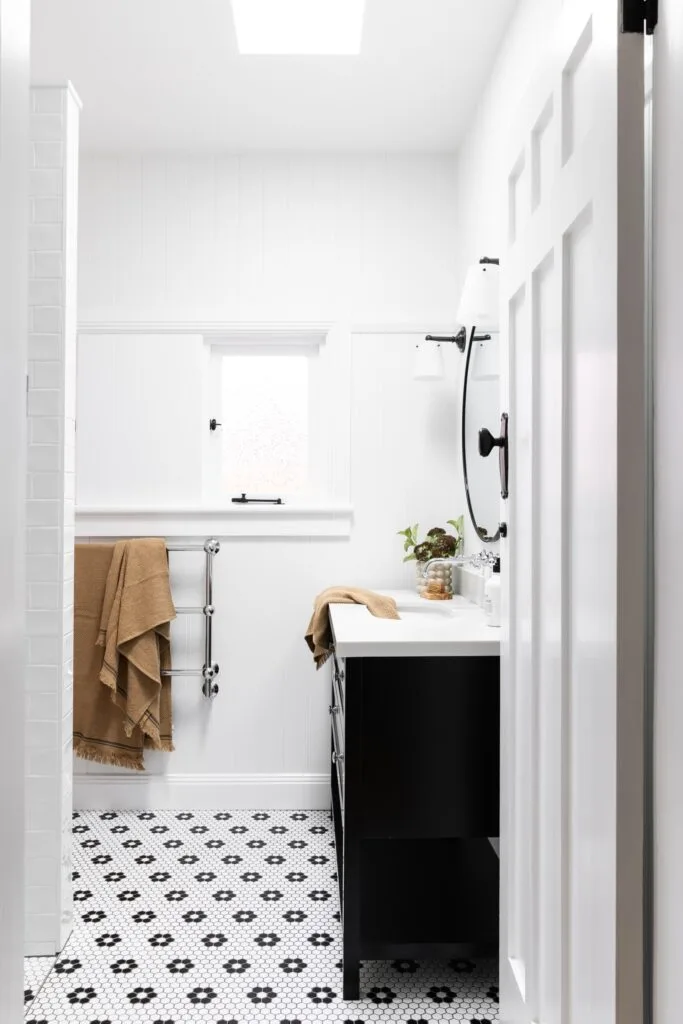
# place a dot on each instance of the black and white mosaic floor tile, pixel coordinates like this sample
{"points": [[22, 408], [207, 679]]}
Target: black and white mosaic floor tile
{"points": [[36, 970], [229, 918]]}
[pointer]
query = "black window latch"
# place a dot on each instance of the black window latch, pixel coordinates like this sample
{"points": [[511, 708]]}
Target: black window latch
{"points": [[244, 500]]}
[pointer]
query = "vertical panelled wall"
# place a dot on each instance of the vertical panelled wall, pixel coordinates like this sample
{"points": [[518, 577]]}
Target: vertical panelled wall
{"points": [[301, 237], [50, 513]]}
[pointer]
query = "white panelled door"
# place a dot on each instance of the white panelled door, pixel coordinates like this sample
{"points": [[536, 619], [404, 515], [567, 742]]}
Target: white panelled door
{"points": [[572, 658]]}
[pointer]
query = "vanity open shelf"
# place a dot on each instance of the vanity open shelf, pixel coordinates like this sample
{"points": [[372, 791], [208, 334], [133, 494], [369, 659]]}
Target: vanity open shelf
{"points": [[415, 795]]}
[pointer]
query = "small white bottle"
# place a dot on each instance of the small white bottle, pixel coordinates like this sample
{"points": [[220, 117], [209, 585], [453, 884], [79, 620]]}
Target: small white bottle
{"points": [[492, 595]]}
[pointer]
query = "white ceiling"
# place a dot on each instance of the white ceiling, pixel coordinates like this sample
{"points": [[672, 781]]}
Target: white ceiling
{"points": [[166, 75]]}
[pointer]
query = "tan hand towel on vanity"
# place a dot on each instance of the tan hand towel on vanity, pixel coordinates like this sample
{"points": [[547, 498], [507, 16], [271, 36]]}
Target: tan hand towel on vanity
{"points": [[319, 632], [123, 610]]}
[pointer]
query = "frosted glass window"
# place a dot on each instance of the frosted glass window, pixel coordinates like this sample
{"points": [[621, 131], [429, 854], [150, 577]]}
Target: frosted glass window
{"points": [[265, 424]]}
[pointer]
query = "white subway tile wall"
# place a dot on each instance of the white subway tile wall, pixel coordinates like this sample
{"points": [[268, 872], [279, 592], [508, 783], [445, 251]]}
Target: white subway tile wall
{"points": [[50, 515]]}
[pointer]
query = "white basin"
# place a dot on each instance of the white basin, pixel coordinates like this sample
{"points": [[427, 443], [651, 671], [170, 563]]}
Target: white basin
{"points": [[409, 606], [428, 608]]}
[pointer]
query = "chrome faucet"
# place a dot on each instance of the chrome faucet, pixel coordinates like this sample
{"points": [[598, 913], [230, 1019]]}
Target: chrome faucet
{"points": [[477, 561]]}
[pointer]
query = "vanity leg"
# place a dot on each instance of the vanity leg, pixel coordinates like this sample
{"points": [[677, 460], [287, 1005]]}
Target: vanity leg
{"points": [[351, 979], [351, 919]]}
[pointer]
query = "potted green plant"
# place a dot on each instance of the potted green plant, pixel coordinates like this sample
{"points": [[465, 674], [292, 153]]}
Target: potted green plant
{"points": [[438, 543]]}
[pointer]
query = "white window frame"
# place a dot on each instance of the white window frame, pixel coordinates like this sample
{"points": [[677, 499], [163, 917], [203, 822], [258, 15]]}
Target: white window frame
{"points": [[328, 349]]}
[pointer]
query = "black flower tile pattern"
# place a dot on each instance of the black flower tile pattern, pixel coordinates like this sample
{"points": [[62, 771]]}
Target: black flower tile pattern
{"points": [[236, 922]]}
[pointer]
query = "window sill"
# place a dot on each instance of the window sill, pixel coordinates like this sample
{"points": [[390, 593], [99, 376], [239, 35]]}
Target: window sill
{"points": [[234, 521]]}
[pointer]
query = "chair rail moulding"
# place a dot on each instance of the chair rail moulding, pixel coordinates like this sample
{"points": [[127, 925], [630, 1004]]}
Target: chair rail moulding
{"points": [[411, 327], [235, 521], [315, 332]]}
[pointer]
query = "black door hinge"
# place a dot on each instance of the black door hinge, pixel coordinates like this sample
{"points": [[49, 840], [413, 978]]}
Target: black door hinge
{"points": [[639, 16]]}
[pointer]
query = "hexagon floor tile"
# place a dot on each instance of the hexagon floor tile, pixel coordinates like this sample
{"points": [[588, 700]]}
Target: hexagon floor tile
{"points": [[210, 917], [36, 970]]}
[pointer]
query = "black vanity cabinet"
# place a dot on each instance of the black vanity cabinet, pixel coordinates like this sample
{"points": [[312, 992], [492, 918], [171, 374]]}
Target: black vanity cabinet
{"points": [[415, 796]]}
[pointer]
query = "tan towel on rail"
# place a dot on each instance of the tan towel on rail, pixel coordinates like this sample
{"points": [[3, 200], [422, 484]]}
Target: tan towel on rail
{"points": [[123, 609], [135, 631], [319, 633]]}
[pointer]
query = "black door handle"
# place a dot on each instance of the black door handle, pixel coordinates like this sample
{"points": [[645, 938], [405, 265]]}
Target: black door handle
{"points": [[487, 442]]}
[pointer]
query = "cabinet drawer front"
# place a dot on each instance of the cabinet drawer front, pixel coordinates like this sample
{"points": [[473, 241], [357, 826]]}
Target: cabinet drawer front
{"points": [[430, 747]]}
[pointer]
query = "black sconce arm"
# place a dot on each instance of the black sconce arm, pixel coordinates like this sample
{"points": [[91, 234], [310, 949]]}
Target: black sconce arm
{"points": [[459, 339]]}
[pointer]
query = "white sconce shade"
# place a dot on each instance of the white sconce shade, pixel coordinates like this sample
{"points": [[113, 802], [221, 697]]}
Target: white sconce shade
{"points": [[428, 361], [479, 303]]}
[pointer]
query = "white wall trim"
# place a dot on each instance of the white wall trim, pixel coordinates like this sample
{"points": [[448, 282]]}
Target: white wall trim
{"points": [[122, 791], [32, 948], [404, 328], [265, 330], [65, 84], [230, 521], [315, 331]]}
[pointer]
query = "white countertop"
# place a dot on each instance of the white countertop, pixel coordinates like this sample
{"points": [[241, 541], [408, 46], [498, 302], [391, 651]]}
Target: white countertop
{"points": [[425, 629]]}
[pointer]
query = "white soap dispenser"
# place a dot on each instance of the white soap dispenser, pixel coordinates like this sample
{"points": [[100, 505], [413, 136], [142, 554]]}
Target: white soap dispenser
{"points": [[492, 595]]}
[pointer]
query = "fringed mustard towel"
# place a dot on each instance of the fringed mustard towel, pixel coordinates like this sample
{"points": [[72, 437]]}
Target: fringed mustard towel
{"points": [[135, 632], [123, 605], [319, 633], [98, 724]]}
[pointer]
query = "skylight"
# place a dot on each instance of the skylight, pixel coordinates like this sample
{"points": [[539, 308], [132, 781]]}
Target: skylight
{"points": [[299, 27]]}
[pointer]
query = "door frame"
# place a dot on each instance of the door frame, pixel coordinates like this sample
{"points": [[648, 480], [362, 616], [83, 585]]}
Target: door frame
{"points": [[632, 560], [667, 361], [650, 553], [14, 134]]}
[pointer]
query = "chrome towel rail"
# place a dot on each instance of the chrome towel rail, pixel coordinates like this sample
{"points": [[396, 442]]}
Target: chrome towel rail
{"points": [[210, 669]]}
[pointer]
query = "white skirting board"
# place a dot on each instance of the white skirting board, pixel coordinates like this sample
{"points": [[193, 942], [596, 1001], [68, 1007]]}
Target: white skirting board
{"points": [[140, 791], [40, 948]]}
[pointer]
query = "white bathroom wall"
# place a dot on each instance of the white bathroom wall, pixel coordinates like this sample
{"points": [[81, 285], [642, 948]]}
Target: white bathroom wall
{"points": [[481, 182], [158, 381], [254, 238], [53, 183], [365, 241], [264, 740]]}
